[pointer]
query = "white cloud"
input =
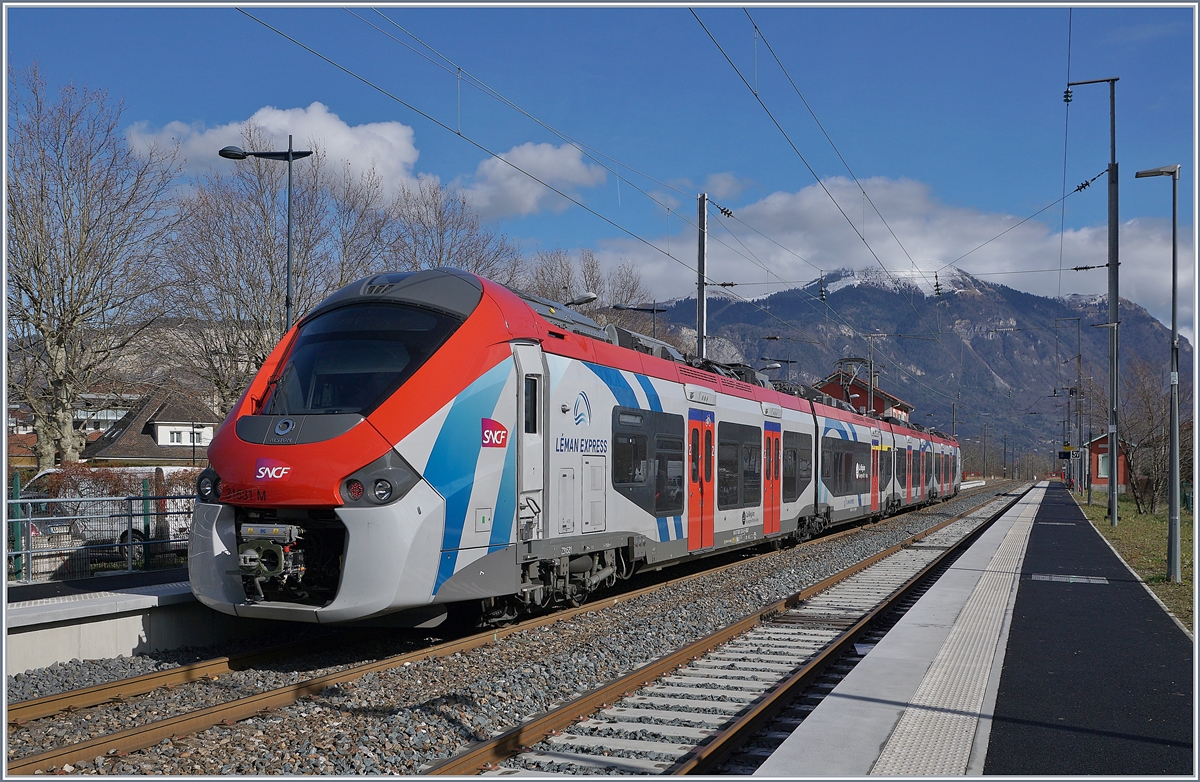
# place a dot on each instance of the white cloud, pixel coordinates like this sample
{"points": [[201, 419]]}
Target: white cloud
{"points": [[820, 237], [389, 146], [500, 190], [724, 185]]}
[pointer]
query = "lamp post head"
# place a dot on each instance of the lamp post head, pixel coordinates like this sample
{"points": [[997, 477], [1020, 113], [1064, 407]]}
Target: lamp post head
{"points": [[1171, 171], [233, 153], [587, 297], [769, 367]]}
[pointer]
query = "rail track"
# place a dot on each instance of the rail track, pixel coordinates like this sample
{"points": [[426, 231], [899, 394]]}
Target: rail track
{"points": [[121, 742], [691, 710]]}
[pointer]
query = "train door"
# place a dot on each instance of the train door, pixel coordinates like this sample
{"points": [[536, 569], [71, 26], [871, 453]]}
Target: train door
{"points": [[702, 500], [772, 450], [875, 471], [531, 456], [908, 482], [924, 473]]}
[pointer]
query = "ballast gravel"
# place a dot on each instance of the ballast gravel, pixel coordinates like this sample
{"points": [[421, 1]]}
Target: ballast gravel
{"points": [[399, 720]]}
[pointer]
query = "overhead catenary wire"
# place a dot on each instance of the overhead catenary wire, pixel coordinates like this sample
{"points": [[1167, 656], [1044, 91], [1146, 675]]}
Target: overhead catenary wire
{"points": [[549, 187], [828, 138], [501, 158], [453, 67], [1062, 220], [807, 165]]}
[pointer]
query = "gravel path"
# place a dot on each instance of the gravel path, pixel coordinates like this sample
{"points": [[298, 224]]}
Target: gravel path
{"points": [[398, 720]]}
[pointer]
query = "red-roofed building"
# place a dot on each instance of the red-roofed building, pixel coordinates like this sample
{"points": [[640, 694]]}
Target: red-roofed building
{"points": [[885, 404]]}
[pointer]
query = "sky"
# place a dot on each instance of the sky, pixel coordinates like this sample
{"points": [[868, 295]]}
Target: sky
{"points": [[909, 138]]}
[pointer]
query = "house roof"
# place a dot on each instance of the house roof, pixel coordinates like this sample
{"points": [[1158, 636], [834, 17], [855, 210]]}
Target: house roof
{"points": [[132, 437], [859, 382]]}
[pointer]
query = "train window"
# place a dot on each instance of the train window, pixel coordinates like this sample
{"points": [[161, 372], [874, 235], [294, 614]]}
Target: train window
{"points": [[531, 404], [668, 476], [727, 476], [751, 474], [708, 457], [648, 459], [739, 465], [902, 468], [797, 469], [777, 458], [695, 455], [350, 359], [885, 467], [790, 492], [848, 464], [629, 459]]}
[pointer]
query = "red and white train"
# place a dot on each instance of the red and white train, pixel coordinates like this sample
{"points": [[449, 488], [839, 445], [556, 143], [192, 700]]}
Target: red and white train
{"points": [[426, 438]]}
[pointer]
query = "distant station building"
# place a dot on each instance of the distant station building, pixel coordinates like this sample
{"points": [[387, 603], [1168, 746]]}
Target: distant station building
{"points": [[1101, 465], [854, 390]]}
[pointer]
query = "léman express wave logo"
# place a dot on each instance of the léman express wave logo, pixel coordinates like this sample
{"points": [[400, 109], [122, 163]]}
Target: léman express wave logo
{"points": [[583, 410]]}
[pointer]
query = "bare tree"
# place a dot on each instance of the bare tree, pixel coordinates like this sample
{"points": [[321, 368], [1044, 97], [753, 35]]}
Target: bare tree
{"points": [[230, 253], [1144, 427], [88, 223], [437, 227]]}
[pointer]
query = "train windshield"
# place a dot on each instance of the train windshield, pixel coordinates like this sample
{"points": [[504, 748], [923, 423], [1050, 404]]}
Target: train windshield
{"points": [[349, 360]]}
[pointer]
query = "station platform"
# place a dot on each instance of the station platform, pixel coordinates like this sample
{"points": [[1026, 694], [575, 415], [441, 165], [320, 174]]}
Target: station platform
{"points": [[107, 617], [1038, 652]]}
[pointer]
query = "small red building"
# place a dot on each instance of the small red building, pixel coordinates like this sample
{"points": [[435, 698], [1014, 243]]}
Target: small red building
{"points": [[1098, 455], [837, 384]]}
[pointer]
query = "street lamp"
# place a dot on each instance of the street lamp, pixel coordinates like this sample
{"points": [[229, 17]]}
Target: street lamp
{"points": [[1114, 317], [653, 310], [197, 430], [1173, 566], [779, 362], [587, 297], [237, 153]]}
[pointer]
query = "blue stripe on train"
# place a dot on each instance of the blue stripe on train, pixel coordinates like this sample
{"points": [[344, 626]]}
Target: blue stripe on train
{"points": [[505, 517], [651, 394], [451, 466], [616, 383]]}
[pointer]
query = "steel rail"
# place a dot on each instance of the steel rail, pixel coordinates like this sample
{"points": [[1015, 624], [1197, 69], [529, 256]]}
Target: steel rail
{"points": [[243, 708], [483, 754], [22, 712], [705, 758]]}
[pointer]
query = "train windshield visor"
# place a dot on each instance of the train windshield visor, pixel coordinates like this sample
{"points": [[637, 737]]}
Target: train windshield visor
{"points": [[349, 360]]}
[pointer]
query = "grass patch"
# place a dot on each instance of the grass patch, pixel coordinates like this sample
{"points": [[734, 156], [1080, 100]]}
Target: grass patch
{"points": [[1142, 542]]}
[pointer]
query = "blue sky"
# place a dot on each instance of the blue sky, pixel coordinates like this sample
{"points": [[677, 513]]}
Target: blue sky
{"points": [[951, 118]]}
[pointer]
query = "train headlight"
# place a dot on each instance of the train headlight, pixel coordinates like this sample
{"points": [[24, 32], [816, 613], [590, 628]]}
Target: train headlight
{"points": [[382, 482], [208, 486]]}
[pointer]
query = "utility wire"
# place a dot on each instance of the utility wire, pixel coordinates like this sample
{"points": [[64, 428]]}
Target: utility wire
{"points": [[1079, 188], [828, 138], [1062, 220], [517, 168], [807, 165]]}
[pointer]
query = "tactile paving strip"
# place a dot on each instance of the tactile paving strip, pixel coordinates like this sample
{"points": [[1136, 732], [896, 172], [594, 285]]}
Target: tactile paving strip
{"points": [[935, 733]]}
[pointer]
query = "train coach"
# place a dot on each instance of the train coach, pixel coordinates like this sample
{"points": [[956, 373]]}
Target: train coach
{"points": [[427, 438]]}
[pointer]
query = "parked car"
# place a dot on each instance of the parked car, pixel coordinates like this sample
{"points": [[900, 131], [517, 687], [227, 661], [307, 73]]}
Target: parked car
{"points": [[103, 508]]}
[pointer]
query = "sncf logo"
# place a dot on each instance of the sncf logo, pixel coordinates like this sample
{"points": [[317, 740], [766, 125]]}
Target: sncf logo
{"points": [[271, 470], [494, 434]]}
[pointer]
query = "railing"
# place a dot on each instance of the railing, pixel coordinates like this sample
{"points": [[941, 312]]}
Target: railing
{"points": [[57, 538]]}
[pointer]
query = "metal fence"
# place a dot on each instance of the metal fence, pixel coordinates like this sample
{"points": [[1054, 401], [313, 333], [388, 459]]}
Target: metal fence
{"points": [[58, 538]]}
